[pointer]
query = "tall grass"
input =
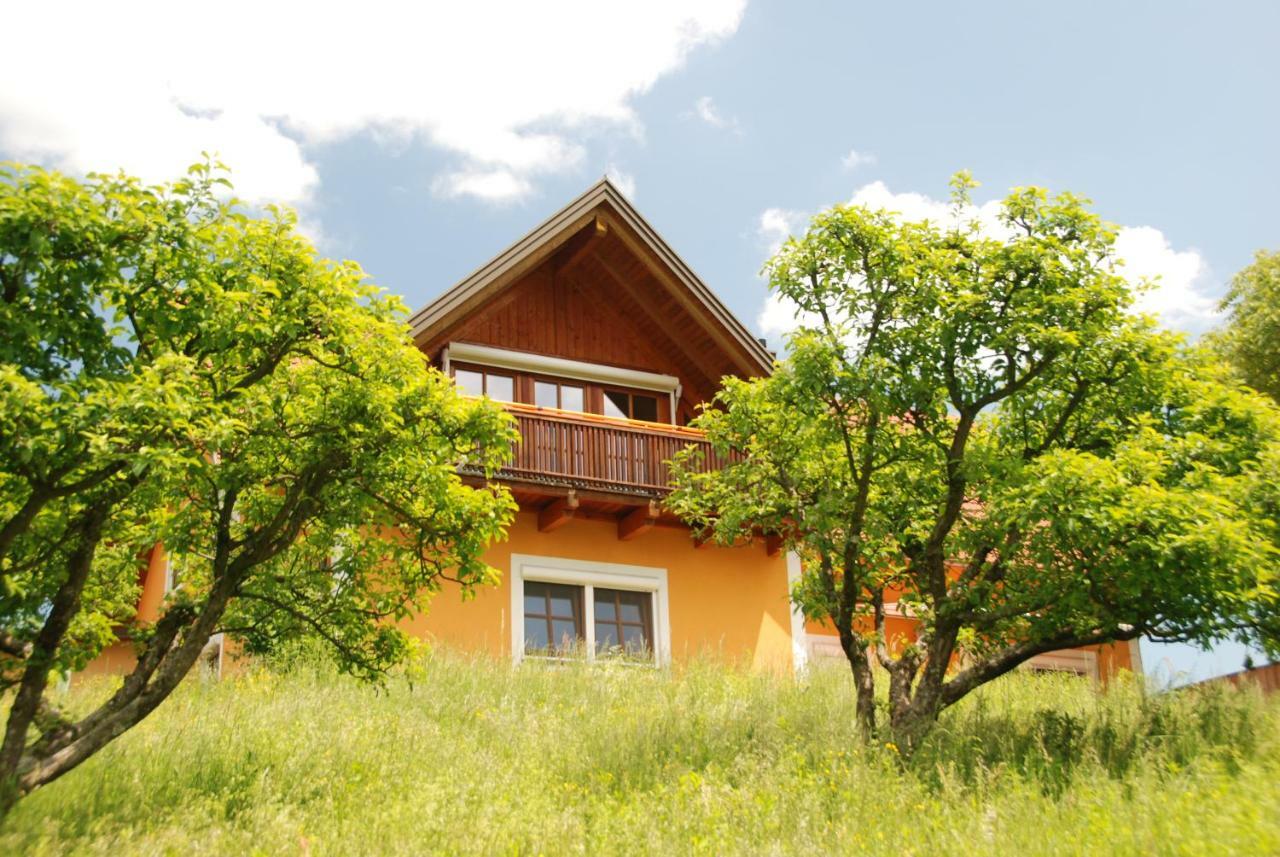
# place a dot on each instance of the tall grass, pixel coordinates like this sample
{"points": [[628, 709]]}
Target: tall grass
{"points": [[463, 755]]}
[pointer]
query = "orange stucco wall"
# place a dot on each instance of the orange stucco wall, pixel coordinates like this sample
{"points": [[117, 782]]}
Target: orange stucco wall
{"points": [[729, 603]]}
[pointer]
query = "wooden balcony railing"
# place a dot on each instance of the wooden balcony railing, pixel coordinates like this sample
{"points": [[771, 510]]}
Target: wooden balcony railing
{"points": [[591, 452]]}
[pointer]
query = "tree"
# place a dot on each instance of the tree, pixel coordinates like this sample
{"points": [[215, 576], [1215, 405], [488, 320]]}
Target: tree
{"points": [[1250, 340], [970, 424], [177, 369]]}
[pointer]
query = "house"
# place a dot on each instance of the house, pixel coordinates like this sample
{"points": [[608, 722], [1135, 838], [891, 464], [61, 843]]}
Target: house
{"points": [[602, 343]]}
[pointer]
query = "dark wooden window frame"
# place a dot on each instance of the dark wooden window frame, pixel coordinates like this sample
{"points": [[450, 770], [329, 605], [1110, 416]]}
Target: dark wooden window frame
{"points": [[486, 372], [662, 403], [549, 617], [619, 625], [530, 395], [592, 392]]}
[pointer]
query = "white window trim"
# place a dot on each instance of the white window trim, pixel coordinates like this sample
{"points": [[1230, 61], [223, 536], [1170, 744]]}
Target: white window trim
{"points": [[576, 572], [561, 367]]}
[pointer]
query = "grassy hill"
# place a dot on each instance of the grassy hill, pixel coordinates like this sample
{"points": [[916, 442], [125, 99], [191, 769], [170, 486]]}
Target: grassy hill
{"points": [[463, 755]]}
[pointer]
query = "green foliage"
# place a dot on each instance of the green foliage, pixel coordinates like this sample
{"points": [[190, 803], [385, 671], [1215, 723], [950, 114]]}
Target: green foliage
{"points": [[179, 369], [472, 757], [971, 422], [1250, 340]]}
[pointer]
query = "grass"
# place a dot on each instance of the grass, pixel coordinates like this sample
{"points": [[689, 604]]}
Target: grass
{"points": [[465, 756]]}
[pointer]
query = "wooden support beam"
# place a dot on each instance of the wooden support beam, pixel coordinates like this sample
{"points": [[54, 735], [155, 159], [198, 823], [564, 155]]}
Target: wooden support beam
{"points": [[699, 544], [637, 522], [557, 513], [773, 545], [578, 247]]}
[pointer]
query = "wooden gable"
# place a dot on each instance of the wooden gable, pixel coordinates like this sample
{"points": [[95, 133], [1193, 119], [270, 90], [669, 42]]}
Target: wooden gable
{"points": [[594, 283]]}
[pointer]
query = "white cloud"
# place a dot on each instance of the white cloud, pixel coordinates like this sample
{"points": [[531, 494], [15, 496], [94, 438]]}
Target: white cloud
{"points": [[779, 224], [706, 110], [779, 315], [855, 159], [916, 206], [623, 181], [498, 185], [510, 88], [1179, 278]]}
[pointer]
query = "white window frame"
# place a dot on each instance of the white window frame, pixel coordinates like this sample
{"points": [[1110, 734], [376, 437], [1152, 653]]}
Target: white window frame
{"points": [[588, 575]]}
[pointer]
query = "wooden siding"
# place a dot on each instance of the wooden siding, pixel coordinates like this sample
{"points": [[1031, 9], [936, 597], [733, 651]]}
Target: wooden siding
{"points": [[605, 307]]}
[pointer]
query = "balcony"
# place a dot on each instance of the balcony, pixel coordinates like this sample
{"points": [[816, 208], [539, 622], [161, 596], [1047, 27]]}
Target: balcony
{"points": [[589, 452], [598, 453]]}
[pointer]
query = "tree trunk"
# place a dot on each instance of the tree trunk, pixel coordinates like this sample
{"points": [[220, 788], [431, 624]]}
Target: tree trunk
{"points": [[913, 714], [864, 686], [46, 761], [911, 725], [35, 677]]}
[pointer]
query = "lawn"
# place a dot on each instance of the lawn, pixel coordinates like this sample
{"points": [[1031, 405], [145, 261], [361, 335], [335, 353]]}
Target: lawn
{"points": [[463, 755]]}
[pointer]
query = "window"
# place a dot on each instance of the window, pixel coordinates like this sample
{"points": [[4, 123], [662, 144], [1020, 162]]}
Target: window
{"points": [[601, 610], [623, 621], [552, 617], [630, 406], [552, 394], [475, 382], [549, 391]]}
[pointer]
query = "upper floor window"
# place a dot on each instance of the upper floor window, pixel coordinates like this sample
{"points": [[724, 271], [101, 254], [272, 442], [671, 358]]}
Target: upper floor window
{"points": [[630, 406], [547, 381], [554, 394], [495, 385], [546, 391]]}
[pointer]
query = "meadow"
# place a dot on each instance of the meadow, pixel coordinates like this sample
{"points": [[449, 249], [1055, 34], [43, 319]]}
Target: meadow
{"points": [[462, 755]]}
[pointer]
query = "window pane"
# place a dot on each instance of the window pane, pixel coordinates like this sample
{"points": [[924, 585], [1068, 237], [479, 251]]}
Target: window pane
{"points": [[563, 600], [535, 600], [544, 394], [644, 408], [566, 633], [631, 606], [616, 404], [571, 399], [535, 635], [605, 611], [471, 383], [634, 639], [501, 388], [606, 637]]}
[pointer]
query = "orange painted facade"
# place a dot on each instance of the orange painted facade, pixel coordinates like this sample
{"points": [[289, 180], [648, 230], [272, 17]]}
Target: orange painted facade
{"points": [[725, 603]]}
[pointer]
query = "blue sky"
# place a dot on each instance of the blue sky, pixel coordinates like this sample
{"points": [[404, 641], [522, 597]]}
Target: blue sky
{"points": [[420, 146]]}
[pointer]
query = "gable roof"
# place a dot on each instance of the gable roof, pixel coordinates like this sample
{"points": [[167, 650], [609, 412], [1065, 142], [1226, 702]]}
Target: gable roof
{"points": [[473, 291]]}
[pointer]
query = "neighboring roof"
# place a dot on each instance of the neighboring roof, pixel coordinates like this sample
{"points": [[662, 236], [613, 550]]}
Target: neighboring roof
{"points": [[494, 276]]}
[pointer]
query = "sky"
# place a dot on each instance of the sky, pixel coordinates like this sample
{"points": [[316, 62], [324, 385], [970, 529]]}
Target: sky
{"points": [[421, 142]]}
